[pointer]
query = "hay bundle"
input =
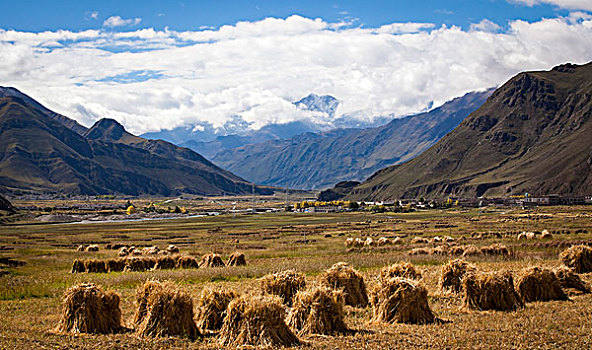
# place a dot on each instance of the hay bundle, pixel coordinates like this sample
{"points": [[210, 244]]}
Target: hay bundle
{"points": [[92, 248], [211, 308], [539, 284], [164, 310], [496, 249], [436, 239], [165, 263], [420, 251], [440, 250], [456, 250], [396, 240], [95, 265], [369, 242], [578, 258], [80, 248], [150, 250], [115, 265], [453, 273], [568, 279], [89, 309], [419, 240], [546, 235], [78, 266], [317, 311], [187, 262], [530, 235], [236, 259], [401, 269], [382, 241], [490, 291], [284, 284], [471, 250], [349, 242], [342, 276], [135, 264], [256, 321], [400, 300], [172, 249], [211, 260], [447, 239], [135, 252], [358, 242], [123, 251], [522, 236]]}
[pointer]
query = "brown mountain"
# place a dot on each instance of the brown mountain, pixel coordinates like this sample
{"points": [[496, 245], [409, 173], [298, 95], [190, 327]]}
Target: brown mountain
{"points": [[40, 153], [532, 135]]}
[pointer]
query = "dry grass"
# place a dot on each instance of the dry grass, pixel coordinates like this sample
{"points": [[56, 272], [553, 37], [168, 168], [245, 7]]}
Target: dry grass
{"points": [[400, 300], [284, 284], [452, 275], [164, 310], [578, 258], [345, 278], [89, 309], [256, 321], [539, 284], [211, 308], [318, 310], [490, 291]]}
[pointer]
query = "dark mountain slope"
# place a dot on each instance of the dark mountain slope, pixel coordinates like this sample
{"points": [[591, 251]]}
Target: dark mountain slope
{"points": [[532, 135], [320, 160], [40, 154]]}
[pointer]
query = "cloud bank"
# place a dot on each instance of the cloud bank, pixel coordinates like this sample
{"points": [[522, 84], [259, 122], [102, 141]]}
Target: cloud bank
{"points": [[150, 80]]}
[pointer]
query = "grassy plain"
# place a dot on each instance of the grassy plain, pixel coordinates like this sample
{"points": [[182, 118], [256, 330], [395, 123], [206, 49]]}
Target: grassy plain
{"points": [[30, 295]]}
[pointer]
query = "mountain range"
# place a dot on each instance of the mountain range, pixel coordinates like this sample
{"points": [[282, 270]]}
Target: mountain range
{"points": [[208, 140], [319, 160], [532, 135], [45, 152]]}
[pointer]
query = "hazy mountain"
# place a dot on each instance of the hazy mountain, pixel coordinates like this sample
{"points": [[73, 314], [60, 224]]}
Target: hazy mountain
{"points": [[317, 160], [325, 104], [40, 154], [532, 135]]}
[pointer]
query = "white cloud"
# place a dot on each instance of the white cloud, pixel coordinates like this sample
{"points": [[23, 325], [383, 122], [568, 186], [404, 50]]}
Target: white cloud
{"points": [[149, 79], [116, 21], [485, 26], [567, 4], [88, 15]]}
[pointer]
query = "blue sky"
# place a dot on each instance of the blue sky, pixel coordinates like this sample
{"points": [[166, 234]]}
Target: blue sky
{"points": [[41, 15], [156, 65]]}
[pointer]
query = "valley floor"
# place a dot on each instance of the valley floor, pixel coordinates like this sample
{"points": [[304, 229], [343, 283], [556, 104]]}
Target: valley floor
{"points": [[30, 295]]}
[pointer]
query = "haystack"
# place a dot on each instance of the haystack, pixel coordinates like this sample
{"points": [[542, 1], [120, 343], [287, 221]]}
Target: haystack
{"points": [[420, 251], [211, 308], [256, 321], [456, 250], [123, 251], [165, 263], [173, 249], [164, 310], [369, 242], [92, 248], [318, 310], [358, 242], [496, 249], [401, 269], [539, 284], [89, 309], [150, 250], [546, 235], [419, 240], [80, 248], [569, 280], [135, 252], [236, 259], [578, 258], [284, 284], [115, 265], [453, 273], [471, 250], [78, 266], [187, 262], [349, 242], [400, 300], [95, 265], [382, 241], [490, 291], [211, 260], [342, 276], [135, 264]]}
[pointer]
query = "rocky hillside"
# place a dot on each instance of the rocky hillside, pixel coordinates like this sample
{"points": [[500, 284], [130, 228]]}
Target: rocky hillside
{"points": [[39, 153], [532, 135], [319, 160]]}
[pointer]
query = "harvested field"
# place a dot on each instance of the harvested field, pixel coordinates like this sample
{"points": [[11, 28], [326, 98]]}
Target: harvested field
{"points": [[31, 293]]}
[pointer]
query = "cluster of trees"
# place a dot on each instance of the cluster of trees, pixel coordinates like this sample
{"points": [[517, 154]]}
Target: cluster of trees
{"points": [[152, 208]]}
